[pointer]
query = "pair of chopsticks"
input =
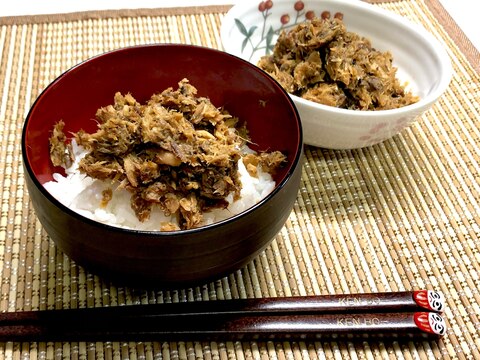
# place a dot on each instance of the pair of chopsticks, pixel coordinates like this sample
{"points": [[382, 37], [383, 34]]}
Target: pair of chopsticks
{"points": [[410, 314]]}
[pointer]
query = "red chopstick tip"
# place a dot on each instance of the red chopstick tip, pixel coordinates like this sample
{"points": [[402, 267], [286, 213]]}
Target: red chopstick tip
{"points": [[429, 299], [430, 322]]}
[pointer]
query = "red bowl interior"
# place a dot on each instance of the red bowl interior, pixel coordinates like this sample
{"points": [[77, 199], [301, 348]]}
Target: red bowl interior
{"points": [[229, 82]]}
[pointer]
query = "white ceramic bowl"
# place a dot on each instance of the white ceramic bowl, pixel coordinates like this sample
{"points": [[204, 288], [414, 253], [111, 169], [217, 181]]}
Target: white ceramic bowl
{"points": [[420, 58]]}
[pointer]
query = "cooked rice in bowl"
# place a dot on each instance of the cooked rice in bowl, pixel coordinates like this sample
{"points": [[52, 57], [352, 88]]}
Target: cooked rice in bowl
{"points": [[83, 195]]}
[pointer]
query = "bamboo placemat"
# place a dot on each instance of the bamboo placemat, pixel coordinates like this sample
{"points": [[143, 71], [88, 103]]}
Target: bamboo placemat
{"points": [[401, 215]]}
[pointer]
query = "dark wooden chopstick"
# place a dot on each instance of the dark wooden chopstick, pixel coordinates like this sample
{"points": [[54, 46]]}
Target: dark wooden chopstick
{"points": [[360, 315], [235, 326], [422, 300]]}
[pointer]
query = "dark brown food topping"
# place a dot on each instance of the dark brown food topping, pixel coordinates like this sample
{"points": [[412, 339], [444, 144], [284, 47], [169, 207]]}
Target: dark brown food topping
{"points": [[269, 162], [321, 61], [60, 148], [106, 197], [177, 151]]}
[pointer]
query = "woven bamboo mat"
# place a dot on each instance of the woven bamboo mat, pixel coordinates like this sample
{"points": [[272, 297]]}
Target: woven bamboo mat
{"points": [[401, 215]]}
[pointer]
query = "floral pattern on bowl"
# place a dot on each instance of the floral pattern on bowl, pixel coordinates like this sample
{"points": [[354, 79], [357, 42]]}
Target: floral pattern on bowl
{"points": [[274, 20]]}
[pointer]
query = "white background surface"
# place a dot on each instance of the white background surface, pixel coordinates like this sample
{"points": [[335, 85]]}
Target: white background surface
{"points": [[464, 12]]}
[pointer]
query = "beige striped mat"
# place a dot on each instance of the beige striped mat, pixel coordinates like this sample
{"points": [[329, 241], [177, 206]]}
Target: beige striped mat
{"points": [[401, 215]]}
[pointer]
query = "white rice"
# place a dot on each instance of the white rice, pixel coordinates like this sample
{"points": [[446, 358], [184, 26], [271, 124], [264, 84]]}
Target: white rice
{"points": [[83, 195]]}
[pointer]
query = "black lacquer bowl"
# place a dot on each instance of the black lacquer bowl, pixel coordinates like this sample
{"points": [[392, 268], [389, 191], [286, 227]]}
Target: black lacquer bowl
{"points": [[164, 258]]}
